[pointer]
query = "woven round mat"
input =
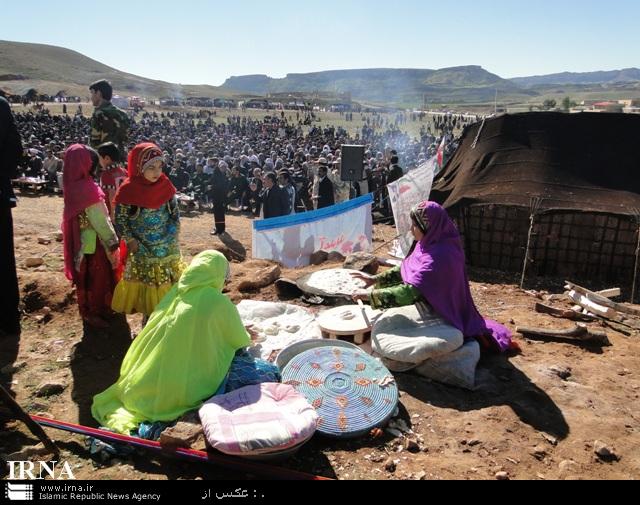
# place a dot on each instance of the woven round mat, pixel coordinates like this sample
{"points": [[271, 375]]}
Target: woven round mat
{"points": [[351, 391], [291, 351]]}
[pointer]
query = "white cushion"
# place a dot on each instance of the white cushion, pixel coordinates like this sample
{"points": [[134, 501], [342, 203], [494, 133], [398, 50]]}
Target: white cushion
{"points": [[455, 369], [413, 338], [258, 420], [413, 334]]}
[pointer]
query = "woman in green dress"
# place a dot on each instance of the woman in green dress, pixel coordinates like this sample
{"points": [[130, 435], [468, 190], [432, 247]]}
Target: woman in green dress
{"points": [[183, 354]]}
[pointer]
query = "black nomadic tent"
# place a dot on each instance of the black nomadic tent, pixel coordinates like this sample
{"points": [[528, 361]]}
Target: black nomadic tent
{"points": [[563, 189]]}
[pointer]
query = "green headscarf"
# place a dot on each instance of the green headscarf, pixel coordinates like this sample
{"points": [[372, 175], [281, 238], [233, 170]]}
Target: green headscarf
{"points": [[183, 354]]}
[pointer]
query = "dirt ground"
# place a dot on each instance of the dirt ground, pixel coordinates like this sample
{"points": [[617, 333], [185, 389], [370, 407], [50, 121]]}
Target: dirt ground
{"points": [[535, 415]]}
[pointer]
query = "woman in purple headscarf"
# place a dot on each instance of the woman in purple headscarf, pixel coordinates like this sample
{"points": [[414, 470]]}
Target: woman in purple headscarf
{"points": [[434, 271]]}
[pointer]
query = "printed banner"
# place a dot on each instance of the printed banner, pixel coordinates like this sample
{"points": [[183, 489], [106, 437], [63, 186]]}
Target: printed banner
{"points": [[291, 240], [404, 194]]}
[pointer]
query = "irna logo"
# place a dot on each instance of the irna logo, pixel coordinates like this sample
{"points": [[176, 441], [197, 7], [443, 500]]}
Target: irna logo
{"points": [[19, 492], [27, 470]]}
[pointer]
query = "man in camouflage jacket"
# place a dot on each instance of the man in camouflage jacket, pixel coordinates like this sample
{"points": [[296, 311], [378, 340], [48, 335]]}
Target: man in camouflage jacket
{"points": [[108, 123]]}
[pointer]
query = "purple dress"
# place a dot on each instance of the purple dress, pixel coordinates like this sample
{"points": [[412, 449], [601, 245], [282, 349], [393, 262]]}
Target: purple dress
{"points": [[436, 268]]}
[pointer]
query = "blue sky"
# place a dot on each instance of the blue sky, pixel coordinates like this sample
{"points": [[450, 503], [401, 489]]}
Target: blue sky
{"points": [[204, 42]]}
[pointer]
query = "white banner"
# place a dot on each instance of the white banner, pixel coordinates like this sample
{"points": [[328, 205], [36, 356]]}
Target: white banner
{"points": [[406, 193], [291, 240]]}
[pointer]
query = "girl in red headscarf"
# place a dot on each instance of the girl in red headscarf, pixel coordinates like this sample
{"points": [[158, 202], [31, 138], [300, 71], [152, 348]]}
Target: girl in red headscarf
{"points": [[90, 242], [148, 220]]}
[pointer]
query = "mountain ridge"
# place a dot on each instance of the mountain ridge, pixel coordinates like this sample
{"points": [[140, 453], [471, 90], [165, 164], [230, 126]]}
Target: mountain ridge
{"points": [[391, 84], [50, 69], [625, 75]]}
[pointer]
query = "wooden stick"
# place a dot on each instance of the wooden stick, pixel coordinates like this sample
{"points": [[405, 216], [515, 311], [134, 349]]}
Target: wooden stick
{"points": [[598, 309], [526, 254], [364, 314], [21, 415], [534, 205], [635, 269], [577, 331], [577, 309], [564, 314], [581, 333], [619, 327], [386, 243], [602, 311], [601, 300], [610, 293]]}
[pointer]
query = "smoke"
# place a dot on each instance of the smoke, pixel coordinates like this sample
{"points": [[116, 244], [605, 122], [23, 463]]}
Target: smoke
{"points": [[177, 92]]}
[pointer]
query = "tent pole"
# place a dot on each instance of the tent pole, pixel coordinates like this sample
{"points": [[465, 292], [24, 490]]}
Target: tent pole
{"points": [[534, 206], [635, 265], [526, 254]]}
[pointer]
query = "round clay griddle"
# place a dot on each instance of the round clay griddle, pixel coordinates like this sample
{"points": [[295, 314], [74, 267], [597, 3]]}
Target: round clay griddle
{"points": [[331, 283], [348, 319]]}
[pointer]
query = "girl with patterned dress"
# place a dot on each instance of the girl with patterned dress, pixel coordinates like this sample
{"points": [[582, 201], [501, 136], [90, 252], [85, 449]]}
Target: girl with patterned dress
{"points": [[148, 220], [434, 272], [90, 242]]}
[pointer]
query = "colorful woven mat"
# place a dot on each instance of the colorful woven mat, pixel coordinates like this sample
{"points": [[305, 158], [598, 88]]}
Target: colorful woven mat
{"points": [[351, 391], [291, 351]]}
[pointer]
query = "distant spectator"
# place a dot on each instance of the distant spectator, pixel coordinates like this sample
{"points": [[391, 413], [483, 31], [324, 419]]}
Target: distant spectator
{"points": [[287, 184], [255, 190], [239, 186], [219, 190], [275, 200], [395, 170], [325, 197], [50, 166]]}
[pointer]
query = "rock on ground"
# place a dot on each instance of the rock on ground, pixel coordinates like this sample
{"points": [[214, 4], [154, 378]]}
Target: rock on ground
{"points": [[261, 279], [50, 389], [33, 262], [319, 257], [364, 262]]}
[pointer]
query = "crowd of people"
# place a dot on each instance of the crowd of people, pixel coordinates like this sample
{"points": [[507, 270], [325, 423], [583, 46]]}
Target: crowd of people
{"points": [[118, 207], [222, 164]]}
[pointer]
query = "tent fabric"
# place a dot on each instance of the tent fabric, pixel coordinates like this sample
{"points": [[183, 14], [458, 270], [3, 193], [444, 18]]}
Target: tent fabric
{"points": [[581, 162]]}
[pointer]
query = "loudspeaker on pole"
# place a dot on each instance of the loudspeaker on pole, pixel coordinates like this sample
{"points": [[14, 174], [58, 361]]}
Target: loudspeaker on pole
{"points": [[352, 163]]}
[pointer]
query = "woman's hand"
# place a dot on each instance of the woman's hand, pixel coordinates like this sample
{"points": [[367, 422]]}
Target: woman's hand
{"points": [[132, 246], [361, 294], [114, 258], [253, 333], [368, 281]]}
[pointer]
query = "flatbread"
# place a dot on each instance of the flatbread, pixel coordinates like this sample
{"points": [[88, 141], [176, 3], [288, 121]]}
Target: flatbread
{"points": [[334, 282]]}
